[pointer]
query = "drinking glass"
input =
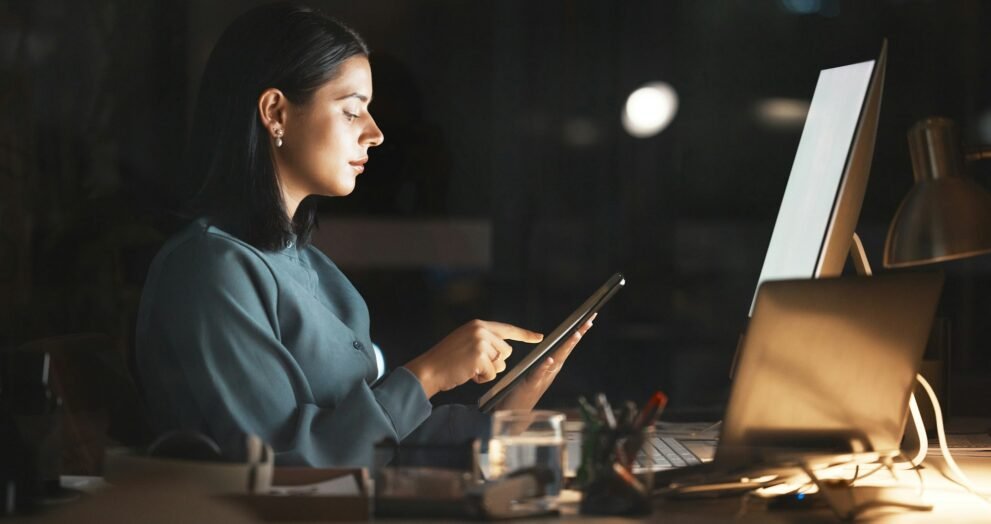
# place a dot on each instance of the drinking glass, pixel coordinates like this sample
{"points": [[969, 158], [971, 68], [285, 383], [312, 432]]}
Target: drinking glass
{"points": [[523, 439]]}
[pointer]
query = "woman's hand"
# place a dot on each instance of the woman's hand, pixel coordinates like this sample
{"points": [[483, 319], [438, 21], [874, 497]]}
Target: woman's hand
{"points": [[475, 351], [536, 382]]}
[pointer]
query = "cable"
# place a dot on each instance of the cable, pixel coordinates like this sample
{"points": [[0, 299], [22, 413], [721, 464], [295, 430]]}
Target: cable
{"points": [[854, 510], [890, 466], [814, 479], [857, 477], [893, 467], [922, 480], [920, 428], [760, 493], [961, 479], [822, 490]]}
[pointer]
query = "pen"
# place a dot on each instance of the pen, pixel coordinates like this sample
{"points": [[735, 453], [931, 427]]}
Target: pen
{"points": [[605, 410], [652, 410], [629, 415], [587, 410], [648, 415], [627, 478]]}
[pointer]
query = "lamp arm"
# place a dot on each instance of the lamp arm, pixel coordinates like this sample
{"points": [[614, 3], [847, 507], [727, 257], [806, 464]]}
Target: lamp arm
{"points": [[859, 257]]}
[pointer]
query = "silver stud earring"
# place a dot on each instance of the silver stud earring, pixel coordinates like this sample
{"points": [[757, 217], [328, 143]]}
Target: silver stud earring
{"points": [[278, 137]]}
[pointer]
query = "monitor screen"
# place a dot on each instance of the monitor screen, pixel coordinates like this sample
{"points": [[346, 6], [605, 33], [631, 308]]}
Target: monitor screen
{"points": [[825, 189]]}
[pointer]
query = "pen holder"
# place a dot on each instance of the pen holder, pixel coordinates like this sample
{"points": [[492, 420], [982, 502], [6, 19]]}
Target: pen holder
{"points": [[616, 471]]}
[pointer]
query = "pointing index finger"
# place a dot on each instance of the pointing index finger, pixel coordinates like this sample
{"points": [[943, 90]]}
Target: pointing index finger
{"points": [[511, 332]]}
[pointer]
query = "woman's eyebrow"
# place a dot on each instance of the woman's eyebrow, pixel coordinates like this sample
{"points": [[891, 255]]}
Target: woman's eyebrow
{"points": [[357, 95]]}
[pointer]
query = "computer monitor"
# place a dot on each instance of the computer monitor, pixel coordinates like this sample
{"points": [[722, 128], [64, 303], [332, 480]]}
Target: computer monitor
{"points": [[815, 226]]}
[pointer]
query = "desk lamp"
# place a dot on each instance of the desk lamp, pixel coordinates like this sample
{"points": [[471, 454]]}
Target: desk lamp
{"points": [[946, 215]]}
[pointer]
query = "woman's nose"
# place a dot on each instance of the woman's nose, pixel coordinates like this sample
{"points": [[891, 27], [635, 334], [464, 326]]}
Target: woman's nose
{"points": [[373, 135]]}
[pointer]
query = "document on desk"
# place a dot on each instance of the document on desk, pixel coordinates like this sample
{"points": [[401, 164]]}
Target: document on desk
{"points": [[346, 485]]}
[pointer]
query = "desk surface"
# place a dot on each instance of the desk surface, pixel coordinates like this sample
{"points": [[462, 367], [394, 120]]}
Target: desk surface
{"points": [[154, 502]]}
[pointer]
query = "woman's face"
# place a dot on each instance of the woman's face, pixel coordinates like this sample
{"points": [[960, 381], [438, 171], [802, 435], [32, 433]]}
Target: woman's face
{"points": [[326, 140]]}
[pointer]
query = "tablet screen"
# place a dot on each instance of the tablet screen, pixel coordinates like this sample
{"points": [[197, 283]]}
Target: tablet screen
{"points": [[563, 331]]}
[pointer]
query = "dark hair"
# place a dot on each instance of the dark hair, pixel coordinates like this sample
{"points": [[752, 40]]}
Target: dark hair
{"points": [[284, 45]]}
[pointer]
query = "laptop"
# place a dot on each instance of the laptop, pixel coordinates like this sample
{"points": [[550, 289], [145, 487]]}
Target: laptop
{"points": [[825, 373]]}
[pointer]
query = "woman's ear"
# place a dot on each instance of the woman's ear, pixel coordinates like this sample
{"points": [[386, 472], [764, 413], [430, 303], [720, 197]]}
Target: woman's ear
{"points": [[272, 106]]}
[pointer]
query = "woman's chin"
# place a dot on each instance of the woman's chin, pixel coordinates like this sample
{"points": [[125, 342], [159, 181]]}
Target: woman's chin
{"points": [[341, 190]]}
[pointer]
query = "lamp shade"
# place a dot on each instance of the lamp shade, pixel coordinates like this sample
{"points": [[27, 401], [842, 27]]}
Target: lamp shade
{"points": [[946, 215]]}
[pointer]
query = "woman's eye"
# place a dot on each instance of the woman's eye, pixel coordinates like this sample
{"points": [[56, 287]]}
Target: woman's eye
{"points": [[350, 116]]}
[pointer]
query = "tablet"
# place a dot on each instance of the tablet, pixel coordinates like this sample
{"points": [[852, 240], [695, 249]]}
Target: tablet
{"points": [[563, 331]]}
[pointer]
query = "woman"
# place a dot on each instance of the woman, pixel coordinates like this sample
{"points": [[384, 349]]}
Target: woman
{"points": [[243, 326]]}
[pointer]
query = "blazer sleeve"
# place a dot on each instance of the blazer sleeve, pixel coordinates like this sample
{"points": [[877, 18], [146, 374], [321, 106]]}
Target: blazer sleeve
{"points": [[210, 356], [453, 424]]}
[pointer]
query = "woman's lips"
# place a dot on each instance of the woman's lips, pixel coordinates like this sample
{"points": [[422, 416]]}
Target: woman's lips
{"points": [[359, 165]]}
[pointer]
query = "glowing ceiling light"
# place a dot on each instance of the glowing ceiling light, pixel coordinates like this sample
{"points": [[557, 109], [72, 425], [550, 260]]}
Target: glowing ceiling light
{"points": [[782, 112], [650, 109]]}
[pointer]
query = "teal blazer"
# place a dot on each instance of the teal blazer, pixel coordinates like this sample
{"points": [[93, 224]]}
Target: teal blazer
{"points": [[233, 340]]}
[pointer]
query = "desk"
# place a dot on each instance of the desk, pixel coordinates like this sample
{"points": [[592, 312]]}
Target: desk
{"points": [[154, 503]]}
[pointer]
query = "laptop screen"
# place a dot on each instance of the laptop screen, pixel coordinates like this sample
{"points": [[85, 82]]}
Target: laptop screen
{"points": [[829, 362]]}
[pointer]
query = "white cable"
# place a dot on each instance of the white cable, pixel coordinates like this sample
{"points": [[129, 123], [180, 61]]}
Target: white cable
{"points": [[853, 511], [960, 479], [920, 429]]}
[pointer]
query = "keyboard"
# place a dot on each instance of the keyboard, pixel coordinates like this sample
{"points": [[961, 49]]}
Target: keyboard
{"points": [[666, 453]]}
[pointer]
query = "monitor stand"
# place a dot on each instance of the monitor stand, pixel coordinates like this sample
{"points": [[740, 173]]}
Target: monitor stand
{"points": [[859, 257]]}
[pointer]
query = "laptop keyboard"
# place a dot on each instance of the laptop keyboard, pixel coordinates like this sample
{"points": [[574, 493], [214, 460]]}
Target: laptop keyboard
{"points": [[667, 453]]}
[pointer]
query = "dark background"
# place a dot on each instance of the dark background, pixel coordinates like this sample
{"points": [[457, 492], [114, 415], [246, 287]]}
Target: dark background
{"points": [[505, 115]]}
